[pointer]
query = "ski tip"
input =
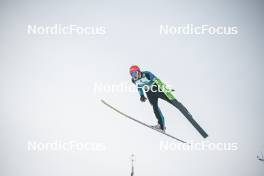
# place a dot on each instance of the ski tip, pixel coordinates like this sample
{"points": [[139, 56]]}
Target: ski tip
{"points": [[205, 136]]}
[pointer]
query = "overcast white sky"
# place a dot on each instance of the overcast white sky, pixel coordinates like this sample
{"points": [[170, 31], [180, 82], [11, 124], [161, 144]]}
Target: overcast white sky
{"points": [[46, 87]]}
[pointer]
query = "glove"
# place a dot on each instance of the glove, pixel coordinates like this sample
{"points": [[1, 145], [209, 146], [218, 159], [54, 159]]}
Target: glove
{"points": [[143, 98]]}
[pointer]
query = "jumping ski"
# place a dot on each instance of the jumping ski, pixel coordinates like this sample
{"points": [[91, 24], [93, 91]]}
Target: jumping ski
{"points": [[142, 123]]}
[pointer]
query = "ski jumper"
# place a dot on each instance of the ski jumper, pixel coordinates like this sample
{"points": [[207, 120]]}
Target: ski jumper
{"points": [[155, 89]]}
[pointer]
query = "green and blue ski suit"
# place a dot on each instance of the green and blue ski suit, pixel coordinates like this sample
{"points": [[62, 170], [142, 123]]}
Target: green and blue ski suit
{"points": [[155, 89]]}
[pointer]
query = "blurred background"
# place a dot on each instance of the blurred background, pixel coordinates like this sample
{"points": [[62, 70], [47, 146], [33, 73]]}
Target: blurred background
{"points": [[47, 87]]}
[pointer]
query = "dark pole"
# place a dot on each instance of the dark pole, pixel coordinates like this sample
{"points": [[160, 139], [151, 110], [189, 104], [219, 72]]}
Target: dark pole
{"points": [[132, 164]]}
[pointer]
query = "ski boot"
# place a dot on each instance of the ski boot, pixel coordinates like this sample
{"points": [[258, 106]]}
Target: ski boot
{"points": [[158, 127]]}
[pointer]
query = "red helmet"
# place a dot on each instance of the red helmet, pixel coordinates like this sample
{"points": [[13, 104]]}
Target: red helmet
{"points": [[133, 68]]}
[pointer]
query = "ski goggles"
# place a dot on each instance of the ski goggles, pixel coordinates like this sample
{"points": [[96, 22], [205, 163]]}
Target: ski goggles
{"points": [[134, 74]]}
